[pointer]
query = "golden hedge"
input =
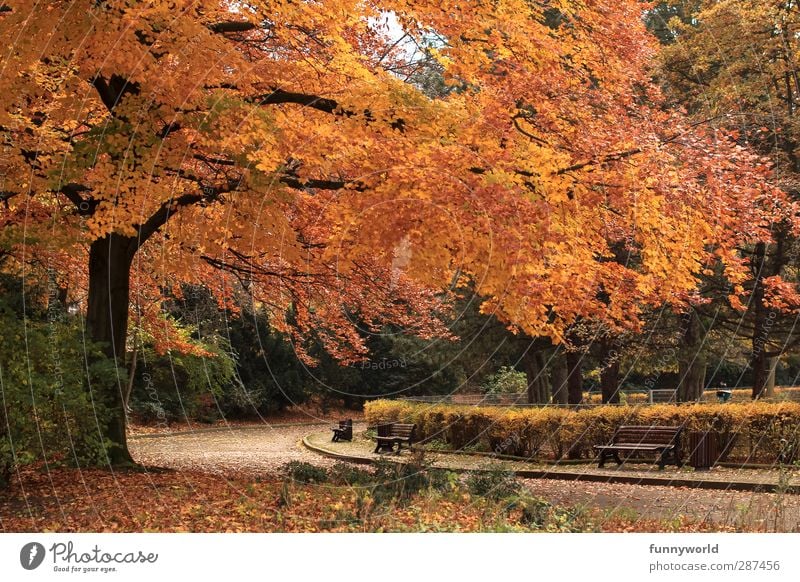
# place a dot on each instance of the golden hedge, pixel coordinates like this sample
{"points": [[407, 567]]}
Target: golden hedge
{"points": [[754, 432]]}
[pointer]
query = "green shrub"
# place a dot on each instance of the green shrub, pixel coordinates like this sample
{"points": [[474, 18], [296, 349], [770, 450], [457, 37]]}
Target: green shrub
{"points": [[541, 515], [302, 472], [497, 484], [345, 474], [506, 380], [50, 381], [178, 386]]}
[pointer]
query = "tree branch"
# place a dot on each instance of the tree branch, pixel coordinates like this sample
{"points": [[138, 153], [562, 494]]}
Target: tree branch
{"points": [[72, 191], [112, 90], [167, 209], [324, 104], [231, 26]]}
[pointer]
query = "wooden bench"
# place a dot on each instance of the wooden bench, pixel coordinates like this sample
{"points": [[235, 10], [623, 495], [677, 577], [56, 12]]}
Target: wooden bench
{"points": [[343, 432], [391, 434], [662, 440]]}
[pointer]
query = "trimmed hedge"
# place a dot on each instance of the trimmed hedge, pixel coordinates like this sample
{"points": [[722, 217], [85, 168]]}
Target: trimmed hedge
{"points": [[751, 432]]}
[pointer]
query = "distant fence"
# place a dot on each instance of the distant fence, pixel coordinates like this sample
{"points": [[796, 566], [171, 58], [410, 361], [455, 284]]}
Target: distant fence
{"points": [[640, 397], [513, 399]]}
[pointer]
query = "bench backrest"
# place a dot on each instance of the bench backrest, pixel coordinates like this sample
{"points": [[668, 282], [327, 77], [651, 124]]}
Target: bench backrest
{"points": [[401, 430], [647, 435], [384, 429], [346, 423]]}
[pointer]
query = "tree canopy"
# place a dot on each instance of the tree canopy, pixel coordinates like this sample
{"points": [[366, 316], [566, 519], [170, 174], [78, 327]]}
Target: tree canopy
{"points": [[292, 151]]}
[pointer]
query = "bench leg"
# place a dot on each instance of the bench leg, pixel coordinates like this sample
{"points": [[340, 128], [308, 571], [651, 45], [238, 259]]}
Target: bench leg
{"points": [[335, 437], [617, 459], [386, 447], [603, 456], [662, 460]]}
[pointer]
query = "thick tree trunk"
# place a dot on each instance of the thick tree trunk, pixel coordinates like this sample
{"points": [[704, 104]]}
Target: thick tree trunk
{"points": [[575, 378], [769, 388], [543, 390], [691, 362], [692, 373], [764, 318], [536, 376], [110, 261], [559, 375], [759, 362], [609, 375], [609, 383]]}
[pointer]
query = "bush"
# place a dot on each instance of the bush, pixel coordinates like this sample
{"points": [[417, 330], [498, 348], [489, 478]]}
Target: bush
{"points": [[506, 380], [49, 404], [752, 432], [305, 472], [345, 474], [492, 484], [178, 386], [539, 514]]}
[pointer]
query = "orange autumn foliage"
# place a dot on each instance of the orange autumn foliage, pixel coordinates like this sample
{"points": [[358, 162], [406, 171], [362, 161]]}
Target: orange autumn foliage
{"points": [[282, 149]]}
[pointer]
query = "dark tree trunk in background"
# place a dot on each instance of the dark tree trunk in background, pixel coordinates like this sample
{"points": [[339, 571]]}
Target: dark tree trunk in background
{"points": [[575, 377], [559, 374], [609, 375], [609, 383], [759, 361], [769, 389], [692, 373], [110, 261], [533, 364], [765, 318], [691, 362]]}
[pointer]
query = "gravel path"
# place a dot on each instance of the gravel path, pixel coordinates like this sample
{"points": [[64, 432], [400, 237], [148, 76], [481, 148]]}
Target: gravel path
{"points": [[736, 509], [252, 450], [265, 450]]}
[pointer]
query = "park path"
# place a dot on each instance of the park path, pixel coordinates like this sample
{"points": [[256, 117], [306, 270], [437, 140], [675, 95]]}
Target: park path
{"points": [[262, 449], [265, 449]]}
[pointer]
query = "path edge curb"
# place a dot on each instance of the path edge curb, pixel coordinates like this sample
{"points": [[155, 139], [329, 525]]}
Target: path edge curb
{"points": [[564, 476]]}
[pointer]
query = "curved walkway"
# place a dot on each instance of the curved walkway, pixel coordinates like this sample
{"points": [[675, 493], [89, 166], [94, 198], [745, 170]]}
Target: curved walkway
{"points": [[256, 449], [263, 450]]}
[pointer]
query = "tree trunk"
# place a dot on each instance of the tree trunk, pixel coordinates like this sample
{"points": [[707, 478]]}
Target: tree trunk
{"points": [[559, 375], [759, 362], [110, 261], [769, 388], [691, 362], [575, 378], [533, 365], [763, 320], [692, 372], [609, 382], [543, 389], [609, 375], [131, 376]]}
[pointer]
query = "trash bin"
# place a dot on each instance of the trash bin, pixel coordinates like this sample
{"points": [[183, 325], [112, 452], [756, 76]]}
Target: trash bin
{"points": [[724, 395], [703, 449]]}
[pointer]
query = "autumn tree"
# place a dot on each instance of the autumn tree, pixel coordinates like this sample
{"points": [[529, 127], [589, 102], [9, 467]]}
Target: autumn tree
{"points": [[275, 147], [735, 65]]}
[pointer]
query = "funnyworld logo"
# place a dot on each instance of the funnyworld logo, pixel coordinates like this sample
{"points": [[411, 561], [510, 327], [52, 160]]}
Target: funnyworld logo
{"points": [[31, 555]]}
